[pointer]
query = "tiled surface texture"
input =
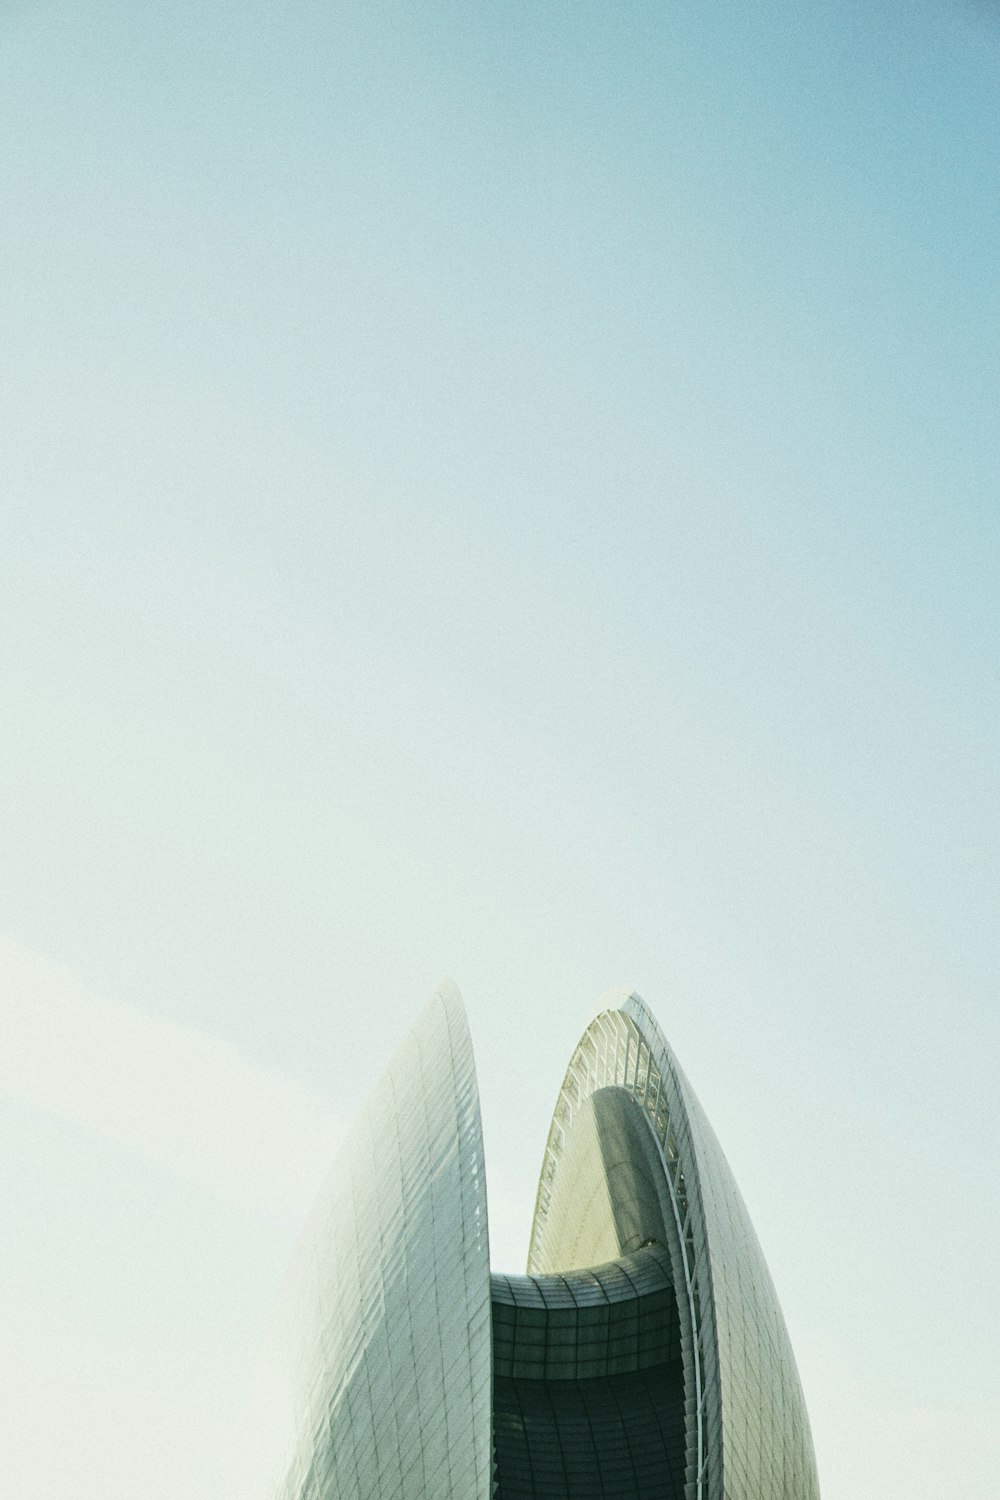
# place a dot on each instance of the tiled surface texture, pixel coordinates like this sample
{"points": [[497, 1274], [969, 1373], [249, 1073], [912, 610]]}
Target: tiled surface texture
{"points": [[397, 1380], [643, 1356], [748, 1433], [588, 1383]]}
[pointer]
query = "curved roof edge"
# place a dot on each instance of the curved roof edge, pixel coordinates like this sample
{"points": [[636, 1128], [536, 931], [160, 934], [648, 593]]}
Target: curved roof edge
{"points": [[748, 1431], [398, 1380]]}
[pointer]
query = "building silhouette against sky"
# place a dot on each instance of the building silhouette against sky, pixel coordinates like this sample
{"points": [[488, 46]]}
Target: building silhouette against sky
{"points": [[642, 1355]]}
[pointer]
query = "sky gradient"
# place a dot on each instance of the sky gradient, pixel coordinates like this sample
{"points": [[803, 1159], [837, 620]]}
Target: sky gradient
{"points": [[506, 492]]}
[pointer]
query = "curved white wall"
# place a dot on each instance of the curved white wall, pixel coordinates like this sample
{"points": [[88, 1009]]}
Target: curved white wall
{"points": [[396, 1398]]}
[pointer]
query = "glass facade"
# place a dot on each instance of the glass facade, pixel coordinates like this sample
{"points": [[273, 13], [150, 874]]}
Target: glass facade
{"points": [[396, 1376], [644, 1353], [588, 1382], [605, 1179]]}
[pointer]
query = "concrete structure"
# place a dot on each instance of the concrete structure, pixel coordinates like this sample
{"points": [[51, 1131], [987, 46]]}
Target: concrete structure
{"points": [[644, 1353]]}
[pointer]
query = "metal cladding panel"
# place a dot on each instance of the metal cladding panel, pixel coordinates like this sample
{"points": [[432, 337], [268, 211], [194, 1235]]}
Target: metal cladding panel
{"points": [[747, 1430], [588, 1382], [759, 1430], [396, 1390]]}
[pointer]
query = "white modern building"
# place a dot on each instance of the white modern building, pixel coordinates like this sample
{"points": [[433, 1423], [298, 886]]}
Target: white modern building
{"points": [[642, 1357]]}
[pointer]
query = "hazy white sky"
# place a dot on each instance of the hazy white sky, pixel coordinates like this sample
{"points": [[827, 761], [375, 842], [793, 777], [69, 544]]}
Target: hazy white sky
{"points": [[506, 492]]}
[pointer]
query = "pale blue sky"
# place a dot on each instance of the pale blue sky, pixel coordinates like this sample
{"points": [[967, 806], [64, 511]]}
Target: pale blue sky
{"points": [[506, 491]]}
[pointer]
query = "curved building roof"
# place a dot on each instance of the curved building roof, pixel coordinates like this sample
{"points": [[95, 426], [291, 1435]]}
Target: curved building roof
{"points": [[395, 1397], [643, 1353]]}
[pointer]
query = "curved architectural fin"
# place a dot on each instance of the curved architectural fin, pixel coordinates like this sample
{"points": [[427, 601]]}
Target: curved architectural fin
{"points": [[397, 1389], [644, 1353], [747, 1432]]}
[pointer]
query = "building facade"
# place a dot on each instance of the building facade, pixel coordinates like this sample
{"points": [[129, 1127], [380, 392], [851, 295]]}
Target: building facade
{"points": [[642, 1357]]}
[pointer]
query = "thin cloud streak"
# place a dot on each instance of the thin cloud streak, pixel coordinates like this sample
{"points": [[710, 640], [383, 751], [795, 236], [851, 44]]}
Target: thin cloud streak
{"points": [[174, 1095]]}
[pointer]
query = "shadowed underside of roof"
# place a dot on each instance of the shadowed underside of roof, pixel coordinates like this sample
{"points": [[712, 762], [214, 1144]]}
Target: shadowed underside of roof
{"points": [[643, 1356]]}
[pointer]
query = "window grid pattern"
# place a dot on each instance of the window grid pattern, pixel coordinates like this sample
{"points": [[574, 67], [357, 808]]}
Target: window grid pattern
{"points": [[610, 1320], [666, 1373], [613, 1439], [396, 1385], [748, 1435], [588, 1383]]}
